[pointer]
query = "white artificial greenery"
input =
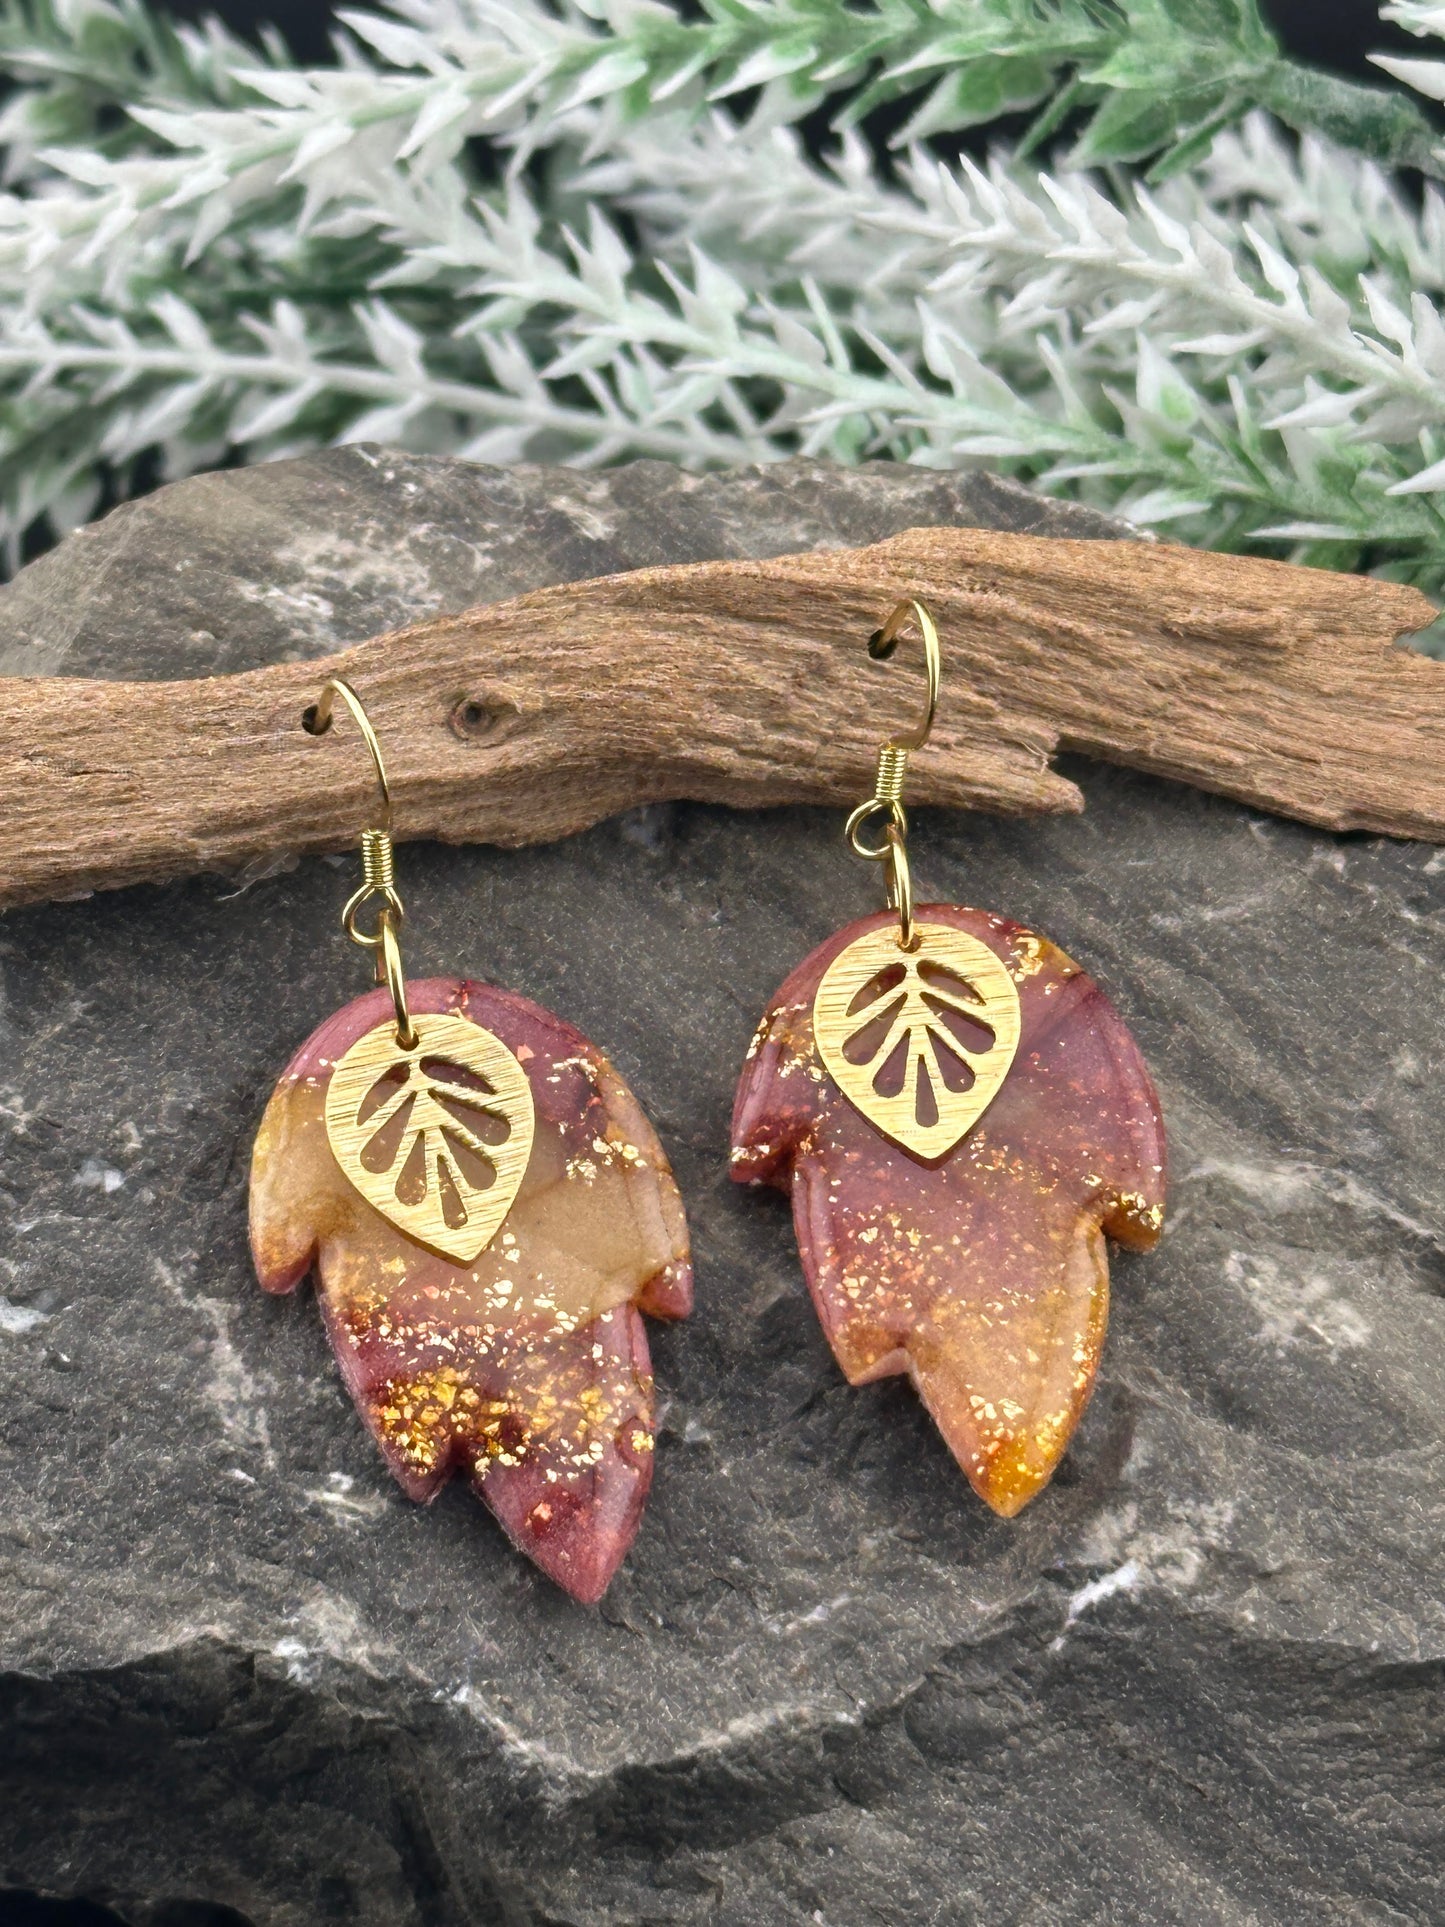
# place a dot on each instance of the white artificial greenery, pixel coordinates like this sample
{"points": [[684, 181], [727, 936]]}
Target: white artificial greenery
{"points": [[1192, 292]]}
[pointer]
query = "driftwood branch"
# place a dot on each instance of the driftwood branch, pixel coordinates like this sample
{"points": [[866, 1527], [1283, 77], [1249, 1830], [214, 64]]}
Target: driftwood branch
{"points": [[747, 683]]}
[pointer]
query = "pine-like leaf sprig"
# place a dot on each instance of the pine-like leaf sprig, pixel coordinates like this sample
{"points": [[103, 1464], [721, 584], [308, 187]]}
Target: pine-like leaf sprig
{"points": [[251, 257]]}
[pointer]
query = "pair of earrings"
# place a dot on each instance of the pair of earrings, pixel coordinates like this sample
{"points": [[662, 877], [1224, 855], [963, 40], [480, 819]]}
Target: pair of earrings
{"points": [[958, 1112]]}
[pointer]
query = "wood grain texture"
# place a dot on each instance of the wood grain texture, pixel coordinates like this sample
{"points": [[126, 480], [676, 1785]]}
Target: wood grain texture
{"points": [[747, 683]]}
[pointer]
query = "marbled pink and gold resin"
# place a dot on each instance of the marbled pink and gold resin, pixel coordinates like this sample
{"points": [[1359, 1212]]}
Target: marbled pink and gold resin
{"points": [[527, 1369], [984, 1275]]}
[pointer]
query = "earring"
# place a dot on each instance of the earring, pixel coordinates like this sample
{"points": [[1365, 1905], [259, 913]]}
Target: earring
{"points": [[488, 1213], [960, 1115]]}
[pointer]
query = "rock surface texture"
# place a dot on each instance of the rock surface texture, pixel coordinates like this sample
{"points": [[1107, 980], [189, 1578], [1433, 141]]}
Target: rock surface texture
{"points": [[1198, 1681]]}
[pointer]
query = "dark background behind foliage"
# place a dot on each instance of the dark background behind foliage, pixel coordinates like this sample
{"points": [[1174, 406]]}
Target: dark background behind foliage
{"points": [[1338, 34], [1328, 33]]}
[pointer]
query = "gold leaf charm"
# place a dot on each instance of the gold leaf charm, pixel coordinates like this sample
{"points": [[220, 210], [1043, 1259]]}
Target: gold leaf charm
{"points": [[436, 1138], [919, 1040]]}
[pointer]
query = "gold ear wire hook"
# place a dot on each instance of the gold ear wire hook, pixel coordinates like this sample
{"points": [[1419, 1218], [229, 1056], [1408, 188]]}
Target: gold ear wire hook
{"points": [[893, 769], [318, 721], [378, 866], [881, 645]]}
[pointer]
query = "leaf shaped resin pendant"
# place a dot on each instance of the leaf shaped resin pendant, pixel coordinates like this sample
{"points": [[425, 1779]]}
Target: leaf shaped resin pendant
{"points": [[959, 1127], [488, 1214]]}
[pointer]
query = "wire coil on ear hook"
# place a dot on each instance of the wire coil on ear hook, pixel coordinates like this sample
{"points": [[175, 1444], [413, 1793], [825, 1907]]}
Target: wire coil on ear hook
{"points": [[378, 863], [892, 771]]}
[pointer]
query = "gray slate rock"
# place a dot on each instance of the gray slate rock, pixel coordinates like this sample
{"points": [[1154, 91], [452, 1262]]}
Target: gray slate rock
{"points": [[1197, 1682], [294, 559]]}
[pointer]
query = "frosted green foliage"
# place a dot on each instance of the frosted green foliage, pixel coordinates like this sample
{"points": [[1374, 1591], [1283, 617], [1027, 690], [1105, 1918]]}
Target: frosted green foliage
{"points": [[1143, 78], [508, 230], [1428, 22]]}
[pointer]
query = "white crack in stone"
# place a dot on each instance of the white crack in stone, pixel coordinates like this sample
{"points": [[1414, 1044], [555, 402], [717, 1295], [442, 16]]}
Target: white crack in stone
{"points": [[1209, 913], [819, 1615], [341, 1498], [346, 560], [236, 1393], [327, 1627], [1170, 1557], [1296, 1184], [585, 519], [95, 1175], [1123, 1578], [18, 1320], [1292, 1307]]}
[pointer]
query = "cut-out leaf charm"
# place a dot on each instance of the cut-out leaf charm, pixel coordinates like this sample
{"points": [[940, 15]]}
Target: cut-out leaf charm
{"points": [[524, 1369], [983, 1274], [436, 1137], [920, 1040]]}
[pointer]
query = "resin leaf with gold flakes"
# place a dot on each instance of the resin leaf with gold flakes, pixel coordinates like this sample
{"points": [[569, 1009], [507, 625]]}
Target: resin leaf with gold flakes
{"points": [[524, 1367], [983, 1273]]}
